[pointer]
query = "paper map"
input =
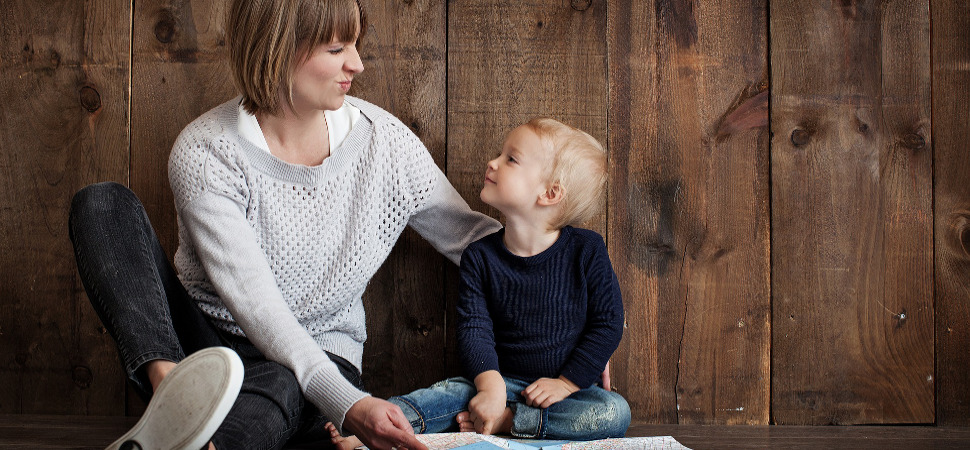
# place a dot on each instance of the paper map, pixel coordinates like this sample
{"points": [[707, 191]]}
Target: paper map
{"points": [[475, 441]]}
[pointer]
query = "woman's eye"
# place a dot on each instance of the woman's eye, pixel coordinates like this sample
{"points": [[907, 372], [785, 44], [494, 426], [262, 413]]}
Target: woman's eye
{"points": [[336, 51]]}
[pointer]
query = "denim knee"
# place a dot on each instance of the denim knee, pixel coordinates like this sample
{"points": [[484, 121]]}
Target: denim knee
{"points": [[99, 200], [267, 411]]}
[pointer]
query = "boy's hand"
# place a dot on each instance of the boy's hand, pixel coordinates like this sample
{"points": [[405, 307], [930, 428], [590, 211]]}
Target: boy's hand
{"points": [[486, 410], [546, 392]]}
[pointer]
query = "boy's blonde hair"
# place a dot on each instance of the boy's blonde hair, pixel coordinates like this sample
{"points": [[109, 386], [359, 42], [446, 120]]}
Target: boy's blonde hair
{"points": [[268, 39], [579, 168]]}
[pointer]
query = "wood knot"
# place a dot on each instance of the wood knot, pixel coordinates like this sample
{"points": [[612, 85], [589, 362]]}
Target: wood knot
{"points": [[408, 2], [416, 127], [424, 330], [965, 240], [90, 98], [958, 233], [800, 137], [82, 377], [21, 359], [914, 141], [165, 30], [581, 5]]}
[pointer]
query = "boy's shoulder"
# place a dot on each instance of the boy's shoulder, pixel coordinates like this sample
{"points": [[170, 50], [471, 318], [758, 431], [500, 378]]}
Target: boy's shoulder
{"points": [[487, 242], [585, 237]]}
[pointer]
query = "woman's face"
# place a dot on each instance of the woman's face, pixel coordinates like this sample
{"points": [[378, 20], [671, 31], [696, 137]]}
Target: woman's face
{"points": [[323, 80]]}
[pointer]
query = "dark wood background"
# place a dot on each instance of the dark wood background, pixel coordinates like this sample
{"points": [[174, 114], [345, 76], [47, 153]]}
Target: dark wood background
{"points": [[788, 209]]}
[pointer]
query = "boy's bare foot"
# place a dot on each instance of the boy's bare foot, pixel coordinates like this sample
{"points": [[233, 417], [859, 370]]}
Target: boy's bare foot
{"points": [[342, 443], [465, 423], [504, 423]]}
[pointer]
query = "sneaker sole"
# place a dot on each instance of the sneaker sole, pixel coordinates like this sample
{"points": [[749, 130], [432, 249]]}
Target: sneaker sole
{"points": [[190, 403]]}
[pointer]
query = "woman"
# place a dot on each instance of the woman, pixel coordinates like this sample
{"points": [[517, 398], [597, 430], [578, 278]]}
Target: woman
{"points": [[289, 198]]}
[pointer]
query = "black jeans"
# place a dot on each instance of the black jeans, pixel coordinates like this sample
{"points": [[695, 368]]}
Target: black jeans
{"points": [[147, 311]]}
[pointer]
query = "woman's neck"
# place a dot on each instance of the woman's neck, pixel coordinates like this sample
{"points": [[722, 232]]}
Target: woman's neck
{"points": [[295, 139], [528, 238]]}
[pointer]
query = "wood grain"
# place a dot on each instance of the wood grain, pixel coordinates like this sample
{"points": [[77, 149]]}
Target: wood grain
{"points": [[404, 72], [951, 133], [64, 124], [179, 71], [851, 213], [689, 229]]}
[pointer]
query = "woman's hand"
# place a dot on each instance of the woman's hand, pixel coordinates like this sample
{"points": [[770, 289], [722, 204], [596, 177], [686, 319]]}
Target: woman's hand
{"points": [[546, 392], [487, 410], [380, 424]]}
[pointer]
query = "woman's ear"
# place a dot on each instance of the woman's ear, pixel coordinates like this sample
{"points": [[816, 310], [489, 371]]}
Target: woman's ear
{"points": [[552, 195]]}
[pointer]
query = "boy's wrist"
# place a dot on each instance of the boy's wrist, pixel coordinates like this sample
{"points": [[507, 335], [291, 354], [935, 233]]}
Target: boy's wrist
{"points": [[569, 385]]}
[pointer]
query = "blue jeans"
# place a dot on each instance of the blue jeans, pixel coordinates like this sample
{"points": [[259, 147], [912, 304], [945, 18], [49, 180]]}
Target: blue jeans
{"points": [[148, 313], [591, 413]]}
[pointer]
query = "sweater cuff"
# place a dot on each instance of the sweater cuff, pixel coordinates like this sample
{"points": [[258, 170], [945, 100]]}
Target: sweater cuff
{"points": [[333, 395], [583, 377]]}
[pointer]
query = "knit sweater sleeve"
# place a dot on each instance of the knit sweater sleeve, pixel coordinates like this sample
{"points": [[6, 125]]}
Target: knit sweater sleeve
{"points": [[211, 199], [447, 222], [476, 336], [604, 322]]}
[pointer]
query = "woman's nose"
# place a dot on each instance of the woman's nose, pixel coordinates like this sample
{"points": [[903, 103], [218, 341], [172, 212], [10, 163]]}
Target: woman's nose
{"points": [[353, 63]]}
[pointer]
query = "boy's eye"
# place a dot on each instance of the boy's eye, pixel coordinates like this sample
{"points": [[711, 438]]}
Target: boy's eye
{"points": [[512, 160]]}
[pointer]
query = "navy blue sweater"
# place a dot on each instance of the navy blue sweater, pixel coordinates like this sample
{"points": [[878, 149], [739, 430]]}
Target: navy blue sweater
{"points": [[555, 313]]}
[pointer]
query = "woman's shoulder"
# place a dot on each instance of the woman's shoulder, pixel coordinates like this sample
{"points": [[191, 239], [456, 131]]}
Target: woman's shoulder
{"points": [[213, 123], [215, 126]]}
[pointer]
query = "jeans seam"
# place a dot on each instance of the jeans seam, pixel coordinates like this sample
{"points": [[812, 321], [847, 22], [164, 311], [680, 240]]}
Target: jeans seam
{"points": [[424, 426]]}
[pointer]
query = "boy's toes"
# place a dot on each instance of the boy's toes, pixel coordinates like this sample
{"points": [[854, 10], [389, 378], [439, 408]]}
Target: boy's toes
{"points": [[465, 422], [334, 434]]}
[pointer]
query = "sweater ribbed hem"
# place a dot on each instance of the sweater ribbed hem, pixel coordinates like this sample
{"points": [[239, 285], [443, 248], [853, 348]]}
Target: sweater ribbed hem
{"points": [[333, 395], [342, 345]]}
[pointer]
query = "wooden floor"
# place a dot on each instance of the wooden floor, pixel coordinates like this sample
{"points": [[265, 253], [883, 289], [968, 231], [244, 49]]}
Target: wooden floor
{"points": [[81, 432]]}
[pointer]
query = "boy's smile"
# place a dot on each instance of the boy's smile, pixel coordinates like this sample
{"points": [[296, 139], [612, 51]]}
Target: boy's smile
{"points": [[518, 176]]}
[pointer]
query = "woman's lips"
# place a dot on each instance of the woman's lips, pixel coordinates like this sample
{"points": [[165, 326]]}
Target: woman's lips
{"points": [[344, 85]]}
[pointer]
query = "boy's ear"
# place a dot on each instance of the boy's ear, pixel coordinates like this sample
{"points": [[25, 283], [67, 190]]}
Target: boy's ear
{"points": [[552, 195]]}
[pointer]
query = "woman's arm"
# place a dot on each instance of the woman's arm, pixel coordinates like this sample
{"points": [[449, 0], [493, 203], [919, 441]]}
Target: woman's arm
{"points": [[236, 266], [447, 222]]}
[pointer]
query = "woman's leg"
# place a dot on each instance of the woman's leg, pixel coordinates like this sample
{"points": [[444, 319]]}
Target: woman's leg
{"points": [[588, 414], [130, 283]]}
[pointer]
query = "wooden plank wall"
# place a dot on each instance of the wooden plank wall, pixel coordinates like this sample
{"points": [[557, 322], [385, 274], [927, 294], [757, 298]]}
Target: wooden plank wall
{"points": [[951, 138], [852, 252], [794, 264]]}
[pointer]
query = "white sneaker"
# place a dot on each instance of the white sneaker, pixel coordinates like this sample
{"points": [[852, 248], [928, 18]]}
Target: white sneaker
{"points": [[190, 403]]}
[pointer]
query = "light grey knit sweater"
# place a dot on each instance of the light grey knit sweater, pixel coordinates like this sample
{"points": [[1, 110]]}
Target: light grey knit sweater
{"points": [[282, 253]]}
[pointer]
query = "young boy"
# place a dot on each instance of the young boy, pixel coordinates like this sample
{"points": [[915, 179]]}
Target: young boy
{"points": [[540, 311]]}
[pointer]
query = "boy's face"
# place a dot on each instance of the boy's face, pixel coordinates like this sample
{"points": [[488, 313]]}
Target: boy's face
{"points": [[519, 175]]}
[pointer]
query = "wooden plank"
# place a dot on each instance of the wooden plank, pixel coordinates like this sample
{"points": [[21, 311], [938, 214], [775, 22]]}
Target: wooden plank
{"points": [[404, 72], [951, 132], [851, 213], [95, 432], [63, 83], [507, 63], [179, 72], [689, 233]]}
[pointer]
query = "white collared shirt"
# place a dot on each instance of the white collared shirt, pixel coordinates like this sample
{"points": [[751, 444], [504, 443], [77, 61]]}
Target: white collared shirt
{"points": [[339, 124]]}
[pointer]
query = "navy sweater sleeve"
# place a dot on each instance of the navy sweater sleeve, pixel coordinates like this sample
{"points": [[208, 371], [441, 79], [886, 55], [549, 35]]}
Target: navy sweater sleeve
{"points": [[476, 339], [604, 318]]}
